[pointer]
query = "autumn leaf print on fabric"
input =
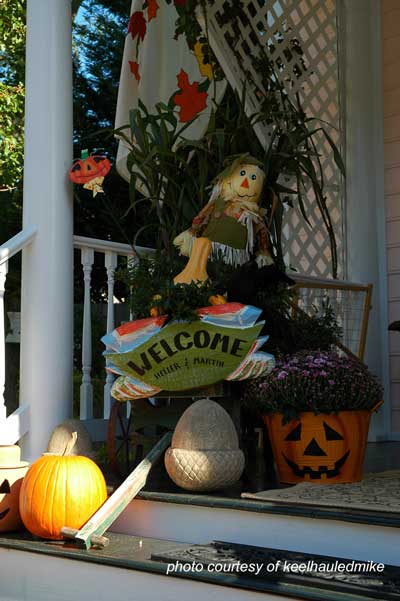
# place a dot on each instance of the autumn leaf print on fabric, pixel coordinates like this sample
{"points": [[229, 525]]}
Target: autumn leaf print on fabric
{"points": [[137, 25], [152, 8], [189, 99], [134, 68]]}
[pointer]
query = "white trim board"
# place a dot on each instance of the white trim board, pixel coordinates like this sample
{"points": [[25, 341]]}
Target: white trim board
{"points": [[196, 524], [366, 237], [58, 579]]}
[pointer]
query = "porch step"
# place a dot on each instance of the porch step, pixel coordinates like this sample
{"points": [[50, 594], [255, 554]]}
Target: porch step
{"points": [[149, 570], [359, 535]]}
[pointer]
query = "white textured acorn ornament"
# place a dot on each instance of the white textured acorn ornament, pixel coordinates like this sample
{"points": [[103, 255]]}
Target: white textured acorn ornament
{"points": [[204, 454]]}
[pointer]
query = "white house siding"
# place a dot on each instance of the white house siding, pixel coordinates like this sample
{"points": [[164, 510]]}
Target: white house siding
{"points": [[391, 83]]}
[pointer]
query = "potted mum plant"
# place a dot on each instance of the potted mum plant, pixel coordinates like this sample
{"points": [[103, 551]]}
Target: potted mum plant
{"points": [[317, 408]]}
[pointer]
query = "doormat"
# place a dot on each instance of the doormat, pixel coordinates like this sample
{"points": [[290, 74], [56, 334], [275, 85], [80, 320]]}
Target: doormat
{"points": [[376, 492]]}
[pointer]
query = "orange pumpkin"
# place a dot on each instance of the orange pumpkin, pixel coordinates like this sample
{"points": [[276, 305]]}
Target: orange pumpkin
{"points": [[85, 170], [217, 299], [60, 490], [323, 449], [157, 310]]}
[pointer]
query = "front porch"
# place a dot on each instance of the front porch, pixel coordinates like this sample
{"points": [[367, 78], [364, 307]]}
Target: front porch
{"points": [[162, 517]]}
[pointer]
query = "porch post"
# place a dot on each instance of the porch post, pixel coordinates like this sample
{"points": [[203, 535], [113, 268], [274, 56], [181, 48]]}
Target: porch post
{"points": [[47, 267]]}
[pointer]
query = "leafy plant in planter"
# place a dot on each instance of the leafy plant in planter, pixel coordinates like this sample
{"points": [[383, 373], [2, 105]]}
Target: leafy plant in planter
{"points": [[317, 408], [152, 291], [291, 332], [290, 159], [176, 173], [147, 287]]}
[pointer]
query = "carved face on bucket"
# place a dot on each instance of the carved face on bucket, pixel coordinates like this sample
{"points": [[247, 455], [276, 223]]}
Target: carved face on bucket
{"points": [[10, 485], [246, 181], [5, 489], [322, 450]]}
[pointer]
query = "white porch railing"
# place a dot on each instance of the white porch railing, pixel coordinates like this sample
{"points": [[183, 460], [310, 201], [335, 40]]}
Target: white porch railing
{"points": [[350, 302], [110, 252], [13, 427]]}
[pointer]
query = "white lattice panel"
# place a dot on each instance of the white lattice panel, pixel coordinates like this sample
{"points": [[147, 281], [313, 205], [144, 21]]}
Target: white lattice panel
{"points": [[276, 26]]}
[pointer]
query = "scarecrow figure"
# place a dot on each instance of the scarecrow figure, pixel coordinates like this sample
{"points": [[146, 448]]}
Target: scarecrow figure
{"points": [[231, 225]]}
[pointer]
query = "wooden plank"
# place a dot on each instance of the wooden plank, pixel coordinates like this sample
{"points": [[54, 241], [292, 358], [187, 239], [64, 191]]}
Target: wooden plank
{"points": [[91, 532], [365, 321]]}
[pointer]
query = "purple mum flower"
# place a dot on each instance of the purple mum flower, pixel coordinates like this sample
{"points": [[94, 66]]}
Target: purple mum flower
{"points": [[282, 375]]}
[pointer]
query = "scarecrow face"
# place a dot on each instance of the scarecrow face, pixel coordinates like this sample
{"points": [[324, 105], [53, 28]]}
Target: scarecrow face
{"points": [[322, 448], [247, 182]]}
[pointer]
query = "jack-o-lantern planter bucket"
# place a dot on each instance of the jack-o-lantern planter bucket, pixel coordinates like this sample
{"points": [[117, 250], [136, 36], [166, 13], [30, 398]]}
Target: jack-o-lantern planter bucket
{"points": [[328, 448], [12, 472]]}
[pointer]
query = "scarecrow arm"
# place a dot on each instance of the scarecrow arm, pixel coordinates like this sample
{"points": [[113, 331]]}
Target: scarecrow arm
{"points": [[263, 254], [185, 240], [200, 222]]}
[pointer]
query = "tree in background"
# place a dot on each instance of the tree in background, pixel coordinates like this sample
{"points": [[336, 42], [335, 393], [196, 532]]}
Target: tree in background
{"points": [[12, 75], [99, 31], [12, 93], [99, 34]]}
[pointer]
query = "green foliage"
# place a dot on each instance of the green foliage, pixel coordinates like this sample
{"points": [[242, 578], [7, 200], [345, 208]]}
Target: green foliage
{"points": [[12, 37], [12, 93], [174, 182], [150, 286], [12, 74], [175, 173], [186, 23], [290, 159], [98, 42], [11, 135], [293, 332]]}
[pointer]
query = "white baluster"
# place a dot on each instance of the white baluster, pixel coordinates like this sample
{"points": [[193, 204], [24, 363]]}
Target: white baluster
{"points": [[110, 262], [3, 275], [132, 261], [86, 390]]}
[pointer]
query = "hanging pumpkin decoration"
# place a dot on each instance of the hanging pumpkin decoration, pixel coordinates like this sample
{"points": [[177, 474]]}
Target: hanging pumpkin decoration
{"points": [[61, 490], [90, 171]]}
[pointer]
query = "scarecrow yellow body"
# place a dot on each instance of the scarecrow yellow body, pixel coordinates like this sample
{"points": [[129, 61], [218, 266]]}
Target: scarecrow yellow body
{"points": [[230, 225]]}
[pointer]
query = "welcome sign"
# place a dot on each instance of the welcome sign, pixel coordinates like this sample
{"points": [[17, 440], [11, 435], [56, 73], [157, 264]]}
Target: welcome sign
{"points": [[182, 356]]}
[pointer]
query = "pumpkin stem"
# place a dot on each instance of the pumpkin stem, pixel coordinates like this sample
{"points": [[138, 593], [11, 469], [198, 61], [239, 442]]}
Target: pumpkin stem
{"points": [[70, 444]]}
